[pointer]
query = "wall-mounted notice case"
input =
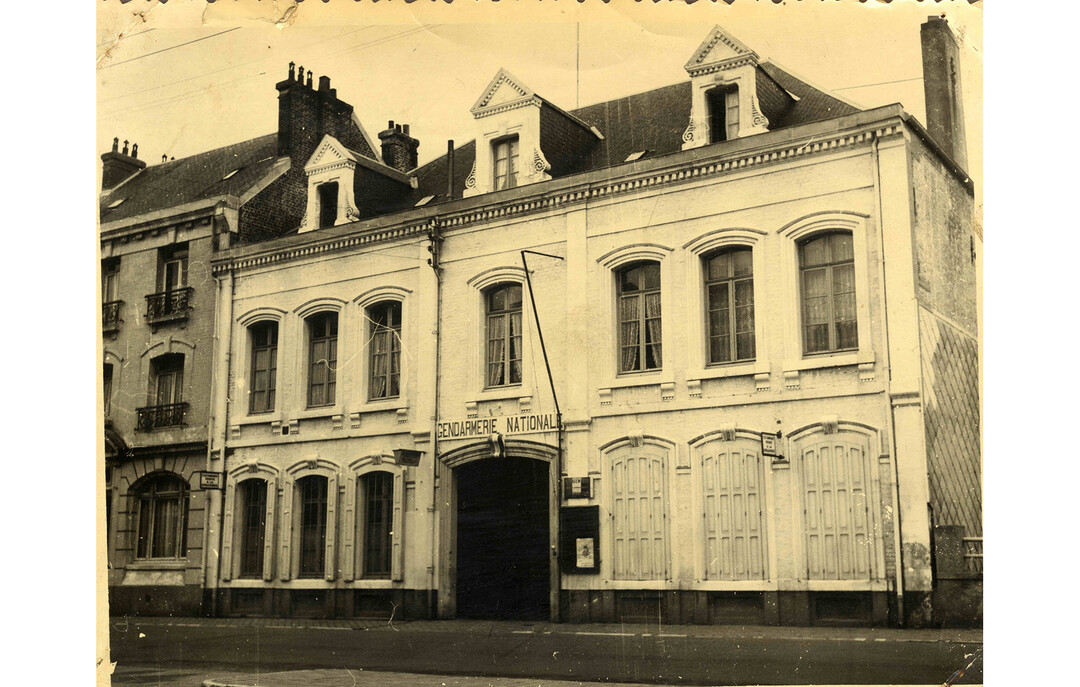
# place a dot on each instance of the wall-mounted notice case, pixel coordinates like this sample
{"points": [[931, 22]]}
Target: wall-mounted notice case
{"points": [[579, 539]]}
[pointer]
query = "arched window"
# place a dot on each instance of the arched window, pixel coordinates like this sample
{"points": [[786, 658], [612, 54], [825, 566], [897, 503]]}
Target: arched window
{"points": [[313, 494], [162, 513], [827, 276], [504, 335], [729, 287], [322, 358], [252, 509], [385, 319], [264, 339], [639, 317], [377, 490]]}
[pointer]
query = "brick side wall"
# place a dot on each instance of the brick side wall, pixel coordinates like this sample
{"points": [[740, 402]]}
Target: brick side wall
{"points": [[943, 235], [275, 210], [950, 369]]}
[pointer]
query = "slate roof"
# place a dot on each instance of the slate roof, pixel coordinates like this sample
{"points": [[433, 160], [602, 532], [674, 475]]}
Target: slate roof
{"points": [[652, 121], [169, 184]]}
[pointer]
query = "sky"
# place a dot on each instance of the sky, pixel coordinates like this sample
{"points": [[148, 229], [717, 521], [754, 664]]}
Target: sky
{"points": [[185, 78]]}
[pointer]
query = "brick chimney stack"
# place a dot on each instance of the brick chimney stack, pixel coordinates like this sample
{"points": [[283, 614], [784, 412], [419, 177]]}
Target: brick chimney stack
{"points": [[306, 114], [941, 85], [398, 148], [117, 166]]}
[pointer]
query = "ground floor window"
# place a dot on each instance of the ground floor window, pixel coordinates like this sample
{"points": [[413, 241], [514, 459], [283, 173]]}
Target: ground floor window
{"points": [[312, 525], [252, 494], [378, 491], [163, 512]]}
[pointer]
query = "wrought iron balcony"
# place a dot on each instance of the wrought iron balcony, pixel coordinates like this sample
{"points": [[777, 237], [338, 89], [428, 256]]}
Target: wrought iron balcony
{"points": [[168, 305], [110, 316], [154, 417]]}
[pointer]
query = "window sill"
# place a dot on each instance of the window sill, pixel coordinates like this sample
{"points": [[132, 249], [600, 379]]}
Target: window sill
{"points": [[632, 379], [318, 412], [379, 404], [502, 393], [260, 418], [743, 369], [817, 361], [158, 564]]}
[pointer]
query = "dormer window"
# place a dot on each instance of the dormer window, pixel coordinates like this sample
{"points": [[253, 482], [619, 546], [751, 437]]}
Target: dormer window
{"points": [[505, 155], [723, 113], [328, 201]]}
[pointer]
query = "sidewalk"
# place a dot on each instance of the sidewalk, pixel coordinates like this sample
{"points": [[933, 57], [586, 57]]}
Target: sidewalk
{"points": [[485, 627], [349, 678]]}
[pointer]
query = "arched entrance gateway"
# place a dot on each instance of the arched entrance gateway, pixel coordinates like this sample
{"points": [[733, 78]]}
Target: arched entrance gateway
{"points": [[499, 532]]}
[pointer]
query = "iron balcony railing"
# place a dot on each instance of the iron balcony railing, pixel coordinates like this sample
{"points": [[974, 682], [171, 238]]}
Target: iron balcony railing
{"points": [[168, 305], [110, 316], [154, 417], [973, 554]]}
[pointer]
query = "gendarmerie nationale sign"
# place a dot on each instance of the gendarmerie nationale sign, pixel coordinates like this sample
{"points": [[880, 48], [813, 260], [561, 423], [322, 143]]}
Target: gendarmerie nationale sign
{"points": [[504, 424]]}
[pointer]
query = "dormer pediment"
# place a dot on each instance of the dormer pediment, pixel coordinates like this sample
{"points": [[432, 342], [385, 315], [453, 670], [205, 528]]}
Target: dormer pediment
{"points": [[329, 152], [720, 50], [504, 92]]}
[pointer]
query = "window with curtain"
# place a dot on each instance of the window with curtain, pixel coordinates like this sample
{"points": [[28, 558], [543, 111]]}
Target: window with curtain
{"points": [[505, 155], [827, 275], [167, 382], [252, 493], [504, 335], [385, 319], [322, 359], [378, 491], [163, 512], [264, 338], [110, 280], [312, 492], [729, 291], [639, 317], [172, 268]]}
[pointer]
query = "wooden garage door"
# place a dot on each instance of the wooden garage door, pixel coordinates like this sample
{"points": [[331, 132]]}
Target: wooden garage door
{"points": [[639, 488], [732, 481], [836, 487]]}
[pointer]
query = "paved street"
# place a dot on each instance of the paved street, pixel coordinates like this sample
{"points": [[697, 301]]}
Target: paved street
{"points": [[186, 651]]}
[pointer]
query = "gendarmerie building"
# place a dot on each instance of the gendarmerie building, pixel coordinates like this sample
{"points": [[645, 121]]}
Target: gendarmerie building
{"points": [[702, 354]]}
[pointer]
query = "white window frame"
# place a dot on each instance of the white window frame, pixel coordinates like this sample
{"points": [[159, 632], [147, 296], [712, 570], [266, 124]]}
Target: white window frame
{"points": [[301, 363], [242, 344], [795, 360], [362, 333], [288, 567], [698, 367], [233, 520], [353, 516], [481, 284]]}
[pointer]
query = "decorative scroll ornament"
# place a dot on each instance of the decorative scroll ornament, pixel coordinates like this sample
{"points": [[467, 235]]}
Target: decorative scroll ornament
{"points": [[756, 117], [540, 164], [470, 181], [352, 213], [688, 135]]}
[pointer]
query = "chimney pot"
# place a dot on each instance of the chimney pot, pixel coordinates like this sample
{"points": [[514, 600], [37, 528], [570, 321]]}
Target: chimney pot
{"points": [[301, 79], [405, 129], [324, 83], [390, 125], [309, 76], [115, 144], [292, 71], [135, 150], [164, 157], [125, 151]]}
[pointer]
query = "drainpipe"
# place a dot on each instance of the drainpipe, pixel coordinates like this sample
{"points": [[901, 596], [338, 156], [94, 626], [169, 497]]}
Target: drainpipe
{"points": [[436, 245], [897, 529]]}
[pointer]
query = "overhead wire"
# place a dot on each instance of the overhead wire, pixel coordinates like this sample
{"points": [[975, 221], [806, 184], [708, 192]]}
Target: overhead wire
{"points": [[171, 47]]}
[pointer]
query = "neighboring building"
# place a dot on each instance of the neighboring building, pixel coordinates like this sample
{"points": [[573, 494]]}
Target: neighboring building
{"points": [[738, 382]]}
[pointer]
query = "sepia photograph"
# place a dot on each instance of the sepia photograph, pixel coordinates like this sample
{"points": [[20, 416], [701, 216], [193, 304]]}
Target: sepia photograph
{"points": [[539, 343]]}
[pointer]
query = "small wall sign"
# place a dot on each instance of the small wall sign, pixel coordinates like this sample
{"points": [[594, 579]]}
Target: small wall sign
{"points": [[209, 480], [407, 456], [770, 446], [586, 552], [577, 487]]}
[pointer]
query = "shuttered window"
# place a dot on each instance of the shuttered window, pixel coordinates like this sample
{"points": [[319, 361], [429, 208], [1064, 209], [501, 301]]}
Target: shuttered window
{"points": [[732, 480], [836, 485], [827, 271], [639, 527]]}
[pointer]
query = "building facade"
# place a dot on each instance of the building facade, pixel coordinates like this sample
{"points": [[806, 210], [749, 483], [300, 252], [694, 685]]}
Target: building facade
{"points": [[703, 354]]}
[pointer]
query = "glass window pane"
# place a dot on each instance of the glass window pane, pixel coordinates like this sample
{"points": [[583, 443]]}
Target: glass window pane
{"points": [[720, 349], [744, 293], [745, 346], [629, 310], [814, 284], [652, 305], [847, 334], [814, 251], [842, 246], [651, 275], [743, 263], [817, 338], [720, 266], [630, 280]]}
